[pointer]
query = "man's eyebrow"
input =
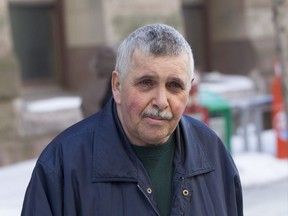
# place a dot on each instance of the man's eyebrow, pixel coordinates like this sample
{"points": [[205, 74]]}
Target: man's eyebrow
{"points": [[146, 76], [176, 79]]}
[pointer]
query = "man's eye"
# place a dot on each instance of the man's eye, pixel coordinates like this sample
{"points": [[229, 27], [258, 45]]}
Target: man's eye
{"points": [[174, 86], [146, 83]]}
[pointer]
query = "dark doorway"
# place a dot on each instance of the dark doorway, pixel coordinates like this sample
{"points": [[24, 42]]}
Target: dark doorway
{"points": [[32, 37], [196, 30]]}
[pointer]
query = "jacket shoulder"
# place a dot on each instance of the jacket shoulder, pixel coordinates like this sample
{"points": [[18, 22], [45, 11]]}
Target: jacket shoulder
{"points": [[197, 125], [211, 143], [72, 141]]}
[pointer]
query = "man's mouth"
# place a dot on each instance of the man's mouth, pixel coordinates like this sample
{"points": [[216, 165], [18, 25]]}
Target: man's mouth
{"points": [[155, 117]]}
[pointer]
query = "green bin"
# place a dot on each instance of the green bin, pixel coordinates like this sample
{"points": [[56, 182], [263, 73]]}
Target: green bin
{"points": [[219, 115]]}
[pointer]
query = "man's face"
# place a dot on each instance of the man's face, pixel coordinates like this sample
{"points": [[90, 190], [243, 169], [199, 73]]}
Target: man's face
{"points": [[152, 97]]}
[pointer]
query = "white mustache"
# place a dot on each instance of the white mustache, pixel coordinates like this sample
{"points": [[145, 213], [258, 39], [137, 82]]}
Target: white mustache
{"points": [[156, 113]]}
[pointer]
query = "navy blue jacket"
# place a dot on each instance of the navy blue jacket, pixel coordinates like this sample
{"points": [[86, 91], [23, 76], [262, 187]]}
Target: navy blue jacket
{"points": [[91, 169]]}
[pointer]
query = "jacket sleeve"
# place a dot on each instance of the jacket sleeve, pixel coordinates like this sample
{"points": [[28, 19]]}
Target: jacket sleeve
{"points": [[44, 193]]}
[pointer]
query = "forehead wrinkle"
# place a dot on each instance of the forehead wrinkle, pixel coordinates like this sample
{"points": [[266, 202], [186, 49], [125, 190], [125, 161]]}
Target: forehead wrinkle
{"points": [[150, 64]]}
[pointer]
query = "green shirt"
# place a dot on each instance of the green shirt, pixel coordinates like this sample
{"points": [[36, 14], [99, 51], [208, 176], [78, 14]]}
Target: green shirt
{"points": [[158, 161]]}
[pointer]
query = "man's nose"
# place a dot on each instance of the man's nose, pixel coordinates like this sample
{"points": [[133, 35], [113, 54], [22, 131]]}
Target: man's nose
{"points": [[161, 100]]}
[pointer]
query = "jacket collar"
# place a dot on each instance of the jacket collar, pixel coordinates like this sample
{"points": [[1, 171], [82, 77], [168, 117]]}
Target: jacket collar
{"points": [[190, 157], [115, 160]]}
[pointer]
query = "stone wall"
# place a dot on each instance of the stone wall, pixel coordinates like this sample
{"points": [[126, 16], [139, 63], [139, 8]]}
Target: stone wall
{"points": [[226, 20], [84, 23], [107, 22], [259, 19], [243, 38], [9, 87], [124, 16]]}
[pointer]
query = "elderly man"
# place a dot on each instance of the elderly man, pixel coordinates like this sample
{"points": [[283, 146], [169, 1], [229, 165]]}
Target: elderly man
{"points": [[140, 155]]}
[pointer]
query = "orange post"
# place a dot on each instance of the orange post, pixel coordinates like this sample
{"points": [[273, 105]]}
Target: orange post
{"points": [[278, 113]]}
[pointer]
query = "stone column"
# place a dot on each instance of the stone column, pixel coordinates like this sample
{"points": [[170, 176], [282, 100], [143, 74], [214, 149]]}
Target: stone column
{"points": [[9, 88]]}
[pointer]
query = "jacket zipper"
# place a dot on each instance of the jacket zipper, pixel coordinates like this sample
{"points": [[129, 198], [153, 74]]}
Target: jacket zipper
{"points": [[141, 189]]}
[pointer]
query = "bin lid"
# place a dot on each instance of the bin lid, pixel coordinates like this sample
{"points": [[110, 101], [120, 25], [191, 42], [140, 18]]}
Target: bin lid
{"points": [[212, 101]]}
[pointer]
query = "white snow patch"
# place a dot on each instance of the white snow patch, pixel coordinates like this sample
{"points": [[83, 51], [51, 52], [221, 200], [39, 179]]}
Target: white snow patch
{"points": [[14, 181], [54, 104], [257, 169]]}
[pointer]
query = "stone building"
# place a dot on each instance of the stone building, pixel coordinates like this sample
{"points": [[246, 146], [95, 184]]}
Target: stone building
{"points": [[55, 41], [9, 85], [230, 36]]}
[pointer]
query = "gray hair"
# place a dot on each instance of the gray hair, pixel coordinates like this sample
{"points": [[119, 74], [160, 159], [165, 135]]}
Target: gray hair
{"points": [[155, 39]]}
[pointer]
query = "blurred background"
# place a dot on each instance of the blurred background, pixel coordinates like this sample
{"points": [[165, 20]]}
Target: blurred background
{"points": [[56, 57]]}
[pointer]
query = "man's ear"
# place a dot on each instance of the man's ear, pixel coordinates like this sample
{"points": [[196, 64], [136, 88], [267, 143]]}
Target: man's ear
{"points": [[116, 86], [192, 80]]}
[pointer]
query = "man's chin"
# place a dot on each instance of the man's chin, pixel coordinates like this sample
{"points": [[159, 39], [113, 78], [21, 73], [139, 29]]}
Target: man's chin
{"points": [[155, 140]]}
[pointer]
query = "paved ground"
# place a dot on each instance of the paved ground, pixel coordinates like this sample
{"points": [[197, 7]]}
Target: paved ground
{"points": [[267, 200]]}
